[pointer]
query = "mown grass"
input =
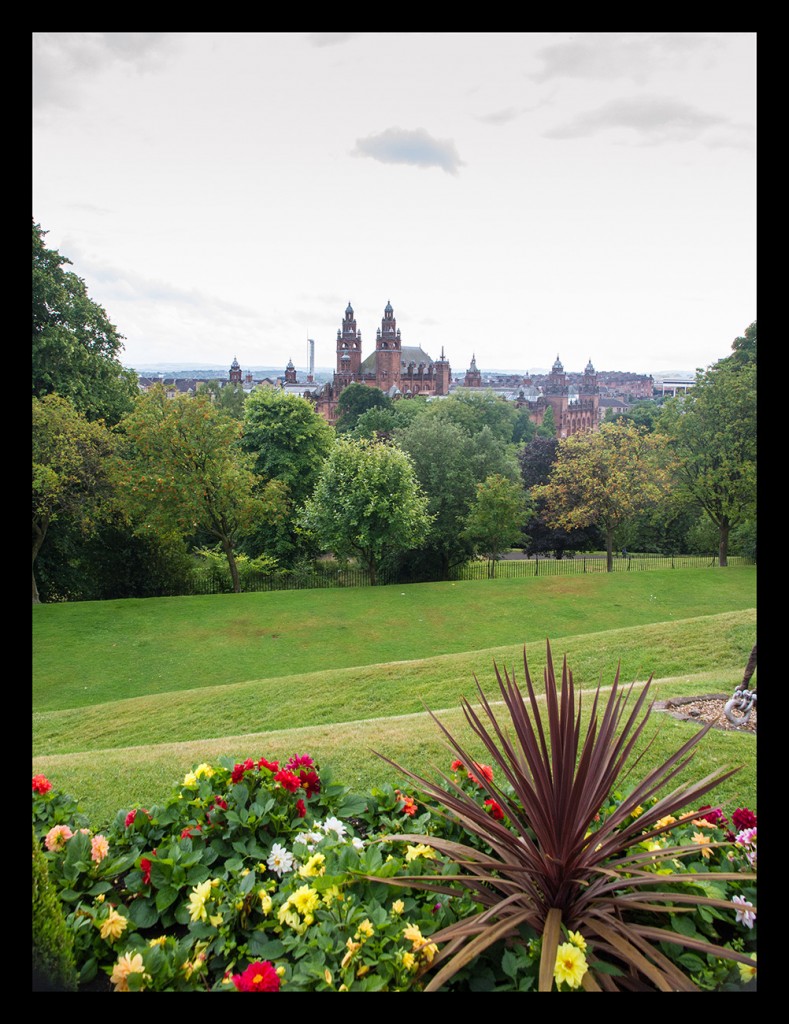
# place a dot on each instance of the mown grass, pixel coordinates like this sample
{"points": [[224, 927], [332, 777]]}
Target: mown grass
{"points": [[113, 746]]}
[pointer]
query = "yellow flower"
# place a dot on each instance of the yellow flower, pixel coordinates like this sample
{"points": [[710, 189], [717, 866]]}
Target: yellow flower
{"points": [[701, 839], [305, 900], [398, 907], [190, 780], [665, 822], [570, 965], [315, 866], [747, 972], [197, 898], [327, 976], [158, 942], [365, 928], [127, 965], [113, 927], [413, 934], [204, 771], [331, 894], [215, 919], [409, 961], [702, 823], [412, 852], [637, 811], [265, 901], [362, 970], [419, 943], [352, 948], [577, 939]]}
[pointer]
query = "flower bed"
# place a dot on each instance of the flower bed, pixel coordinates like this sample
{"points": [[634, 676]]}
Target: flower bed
{"points": [[256, 876]]}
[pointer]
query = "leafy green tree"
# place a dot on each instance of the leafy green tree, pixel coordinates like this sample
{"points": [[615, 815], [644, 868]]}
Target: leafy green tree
{"points": [[472, 409], [182, 470], [75, 346], [227, 396], [604, 478], [357, 399], [713, 434], [743, 348], [495, 521], [367, 503], [70, 478], [644, 414], [548, 426]]}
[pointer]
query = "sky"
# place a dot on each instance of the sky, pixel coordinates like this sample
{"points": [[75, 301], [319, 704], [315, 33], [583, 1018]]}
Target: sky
{"points": [[515, 196]]}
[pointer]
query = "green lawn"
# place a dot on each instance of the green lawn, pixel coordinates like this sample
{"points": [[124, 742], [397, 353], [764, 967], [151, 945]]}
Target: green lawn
{"points": [[127, 695]]}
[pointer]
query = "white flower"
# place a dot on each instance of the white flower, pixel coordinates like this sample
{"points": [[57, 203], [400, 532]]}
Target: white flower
{"points": [[280, 860], [357, 843], [310, 839], [744, 916], [334, 825]]}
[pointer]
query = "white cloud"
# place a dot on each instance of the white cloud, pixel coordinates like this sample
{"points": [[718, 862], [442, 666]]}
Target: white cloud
{"points": [[410, 146]]}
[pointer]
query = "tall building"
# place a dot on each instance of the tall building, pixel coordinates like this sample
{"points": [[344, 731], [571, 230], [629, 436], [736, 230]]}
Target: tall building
{"points": [[396, 369]]}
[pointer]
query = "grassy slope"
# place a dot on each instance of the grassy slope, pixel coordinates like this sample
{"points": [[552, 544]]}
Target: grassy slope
{"points": [[132, 750]]}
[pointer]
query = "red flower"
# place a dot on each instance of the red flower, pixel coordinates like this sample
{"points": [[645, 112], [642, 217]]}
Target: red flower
{"points": [[41, 784], [409, 804], [484, 770], [743, 818], [495, 810], [456, 766], [273, 766], [301, 810], [714, 815], [258, 977], [145, 867], [310, 782], [288, 780], [219, 802], [189, 834], [238, 770]]}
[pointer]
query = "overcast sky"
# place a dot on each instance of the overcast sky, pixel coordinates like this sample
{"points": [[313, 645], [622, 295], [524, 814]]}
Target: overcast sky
{"points": [[516, 196]]}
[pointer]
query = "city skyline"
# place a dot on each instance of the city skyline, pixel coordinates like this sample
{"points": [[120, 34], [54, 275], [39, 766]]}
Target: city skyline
{"points": [[514, 195]]}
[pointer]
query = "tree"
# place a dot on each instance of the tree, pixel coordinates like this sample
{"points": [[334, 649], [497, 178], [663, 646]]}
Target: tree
{"points": [[604, 478], [536, 462], [356, 399], [548, 426], [75, 346], [713, 434], [70, 478], [181, 470], [367, 503], [473, 409], [227, 396], [496, 519]]}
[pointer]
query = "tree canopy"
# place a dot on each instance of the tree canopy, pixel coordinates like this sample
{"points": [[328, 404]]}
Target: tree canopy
{"points": [[355, 400], [75, 346], [367, 503], [604, 478], [182, 470], [70, 462], [497, 517], [713, 433]]}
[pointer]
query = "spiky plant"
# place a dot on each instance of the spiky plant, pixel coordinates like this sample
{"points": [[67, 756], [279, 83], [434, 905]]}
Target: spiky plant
{"points": [[546, 868]]}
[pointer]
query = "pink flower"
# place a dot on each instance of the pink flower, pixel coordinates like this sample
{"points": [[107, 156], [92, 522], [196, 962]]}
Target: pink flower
{"points": [[300, 761], [258, 977], [41, 784], [288, 780], [56, 838], [99, 848], [745, 913], [495, 809], [743, 818]]}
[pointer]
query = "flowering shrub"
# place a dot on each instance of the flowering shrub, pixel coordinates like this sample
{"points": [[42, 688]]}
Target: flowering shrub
{"points": [[260, 876]]}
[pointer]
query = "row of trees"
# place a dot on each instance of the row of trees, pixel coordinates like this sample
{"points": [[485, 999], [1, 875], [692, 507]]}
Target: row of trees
{"points": [[127, 486]]}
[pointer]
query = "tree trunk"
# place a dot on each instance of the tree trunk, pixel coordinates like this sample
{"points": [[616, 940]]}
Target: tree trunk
{"points": [[39, 532], [723, 542], [231, 561], [609, 550], [36, 598], [750, 668]]}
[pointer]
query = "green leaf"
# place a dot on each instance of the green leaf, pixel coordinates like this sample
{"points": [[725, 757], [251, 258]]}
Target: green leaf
{"points": [[166, 896], [144, 913]]}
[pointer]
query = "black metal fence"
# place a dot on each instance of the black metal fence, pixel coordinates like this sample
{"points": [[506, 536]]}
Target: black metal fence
{"points": [[505, 568]]}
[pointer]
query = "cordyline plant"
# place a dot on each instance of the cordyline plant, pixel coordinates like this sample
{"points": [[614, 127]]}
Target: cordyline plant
{"points": [[546, 870]]}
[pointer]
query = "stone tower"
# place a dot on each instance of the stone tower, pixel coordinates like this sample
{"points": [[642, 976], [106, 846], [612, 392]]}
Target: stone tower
{"points": [[388, 352]]}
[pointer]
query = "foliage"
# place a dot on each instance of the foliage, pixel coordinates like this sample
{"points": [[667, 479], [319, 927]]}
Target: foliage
{"points": [[558, 848], [53, 943], [181, 469], [536, 460], [354, 401], [75, 347], [473, 409], [212, 565], [449, 463], [70, 479], [228, 396], [713, 433], [367, 503], [496, 519], [604, 478]]}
